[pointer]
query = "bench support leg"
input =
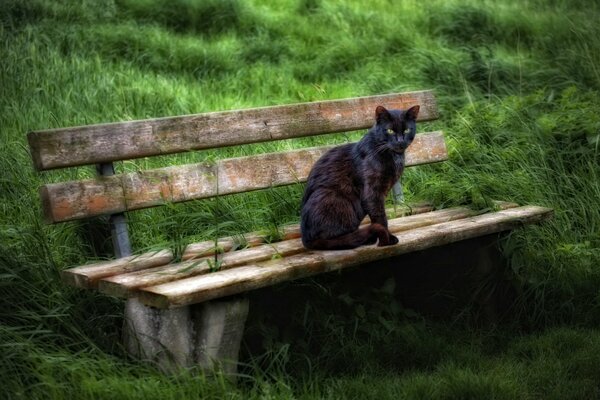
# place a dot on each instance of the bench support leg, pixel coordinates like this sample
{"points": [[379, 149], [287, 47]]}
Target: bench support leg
{"points": [[219, 327], [206, 335], [140, 330]]}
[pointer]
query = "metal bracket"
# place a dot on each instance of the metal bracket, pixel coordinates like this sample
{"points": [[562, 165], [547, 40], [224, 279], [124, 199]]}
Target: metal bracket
{"points": [[398, 193], [118, 224]]}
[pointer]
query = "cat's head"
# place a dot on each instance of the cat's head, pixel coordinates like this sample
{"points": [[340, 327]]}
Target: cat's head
{"points": [[397, 128]]}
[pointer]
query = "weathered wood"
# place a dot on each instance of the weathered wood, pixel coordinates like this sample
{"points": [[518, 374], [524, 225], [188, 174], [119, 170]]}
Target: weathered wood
{"points": [[223, 283], [94, 144], [86, 276], [112, 194], [200, 250], [156, 264], [124, 285], [207, 248]]}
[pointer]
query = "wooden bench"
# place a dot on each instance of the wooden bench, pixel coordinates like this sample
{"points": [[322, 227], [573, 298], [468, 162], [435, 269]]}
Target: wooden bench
{"points": [[192, 312]]}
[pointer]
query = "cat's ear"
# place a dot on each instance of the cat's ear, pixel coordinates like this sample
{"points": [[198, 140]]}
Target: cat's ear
{"points": [[413, 112], [382, 114]]}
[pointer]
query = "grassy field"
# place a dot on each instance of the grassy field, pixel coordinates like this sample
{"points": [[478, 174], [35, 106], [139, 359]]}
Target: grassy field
{"points": [[518, 84]]}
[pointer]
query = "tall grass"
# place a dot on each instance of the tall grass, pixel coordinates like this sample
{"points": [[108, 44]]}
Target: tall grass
{"points": [[519, 89]]}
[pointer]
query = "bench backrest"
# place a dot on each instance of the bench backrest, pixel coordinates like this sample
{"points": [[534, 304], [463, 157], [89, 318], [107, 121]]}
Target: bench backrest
{"points": [[101, 144]]}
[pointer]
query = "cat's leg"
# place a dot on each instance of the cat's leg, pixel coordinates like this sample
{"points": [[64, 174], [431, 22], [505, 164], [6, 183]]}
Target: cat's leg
{"points": [[393, 239], [382, 235], [374, 205], [373, 202], [360, 237]]}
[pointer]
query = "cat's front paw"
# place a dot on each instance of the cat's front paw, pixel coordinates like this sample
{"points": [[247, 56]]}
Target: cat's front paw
{"points": [[392, 240]]}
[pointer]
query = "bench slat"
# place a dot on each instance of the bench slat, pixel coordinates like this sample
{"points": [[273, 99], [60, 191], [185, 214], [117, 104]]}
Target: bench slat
{"points": [[125, 285], [87, 276], [206, 248], [224, 283], [93, 144], [125, 192]]}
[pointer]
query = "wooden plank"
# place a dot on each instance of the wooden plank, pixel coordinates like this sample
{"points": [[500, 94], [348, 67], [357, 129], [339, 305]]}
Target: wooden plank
{"points": [[125, 285], [258, 172], [93, 144], [132, 191], [206, 248], [224, 283], [87, 276], [92, 276]]}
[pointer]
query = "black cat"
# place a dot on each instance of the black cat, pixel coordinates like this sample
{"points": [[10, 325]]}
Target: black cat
{"points": [[353, 180]]}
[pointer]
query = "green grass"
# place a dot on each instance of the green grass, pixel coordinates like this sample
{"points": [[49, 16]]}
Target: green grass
{"points": [[518, 84]]}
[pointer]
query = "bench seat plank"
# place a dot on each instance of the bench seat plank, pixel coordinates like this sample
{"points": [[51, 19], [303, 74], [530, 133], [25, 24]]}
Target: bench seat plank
{"points": [[87, 276], [93, 144], [206, 248], [136, 190], [125, 285], [156, 264], [248, 277]]}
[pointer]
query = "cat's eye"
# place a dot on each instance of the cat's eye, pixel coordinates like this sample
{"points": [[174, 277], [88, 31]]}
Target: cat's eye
{"points": [[391, 132]]}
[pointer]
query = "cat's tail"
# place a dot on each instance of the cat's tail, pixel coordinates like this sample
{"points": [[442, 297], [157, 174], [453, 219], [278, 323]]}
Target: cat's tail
{"points": [[365, 235]]}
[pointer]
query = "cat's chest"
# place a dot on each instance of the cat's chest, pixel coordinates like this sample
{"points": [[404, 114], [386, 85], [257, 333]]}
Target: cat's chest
{"points": [[384, 172], [399, 161], [393, 167]]}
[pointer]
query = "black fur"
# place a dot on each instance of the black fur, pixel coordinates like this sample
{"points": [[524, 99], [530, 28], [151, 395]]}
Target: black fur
{"points": [[352, 181]]}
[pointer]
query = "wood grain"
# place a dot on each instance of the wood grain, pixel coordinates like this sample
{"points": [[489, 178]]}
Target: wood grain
{"points": [[207, 248], [87, 276], [248, 277], [93, 144], [132, 191], [125, 285]]}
